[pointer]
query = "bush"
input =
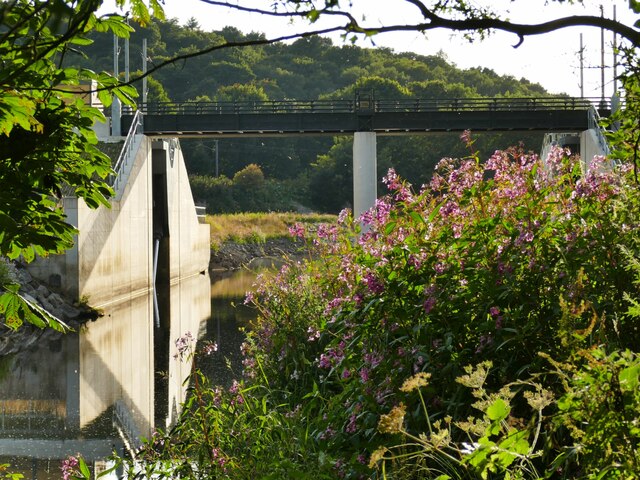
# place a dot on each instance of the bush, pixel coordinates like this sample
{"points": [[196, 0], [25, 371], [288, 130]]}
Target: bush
{"points": [[215, 192], [249, 191], [249, 178], [497, 262]]}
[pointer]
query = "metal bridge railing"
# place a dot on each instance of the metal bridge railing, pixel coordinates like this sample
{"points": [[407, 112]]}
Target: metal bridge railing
{"points": [[376, 106], [129, 149], [596, 126]]}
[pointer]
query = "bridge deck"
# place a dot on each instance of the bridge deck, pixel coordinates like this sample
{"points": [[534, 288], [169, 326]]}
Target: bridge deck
{"points": [[386, 117]]}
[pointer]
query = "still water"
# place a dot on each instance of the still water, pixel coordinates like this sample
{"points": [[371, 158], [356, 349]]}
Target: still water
{"points": [[85, 392]]}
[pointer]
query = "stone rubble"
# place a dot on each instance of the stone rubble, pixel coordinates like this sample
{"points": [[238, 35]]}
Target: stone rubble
{"points": [[53, 302], [233, 256]]}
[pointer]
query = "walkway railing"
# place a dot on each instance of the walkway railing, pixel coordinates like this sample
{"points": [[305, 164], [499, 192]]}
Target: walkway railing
{"points": [[595, 124], [126, 426], [129, 149], [377, 106]]}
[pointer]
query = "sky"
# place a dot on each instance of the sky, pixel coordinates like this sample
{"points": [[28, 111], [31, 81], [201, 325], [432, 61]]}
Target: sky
{"points": [[552, 59]]}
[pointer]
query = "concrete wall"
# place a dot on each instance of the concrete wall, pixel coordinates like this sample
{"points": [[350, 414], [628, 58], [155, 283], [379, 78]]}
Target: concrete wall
{"points": [[112, 266], [590, 146], [190, 244], [112, 259]]}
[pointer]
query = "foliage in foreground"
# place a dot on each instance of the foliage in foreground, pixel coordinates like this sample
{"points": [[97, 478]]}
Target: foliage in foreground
{"points": [[485, 327], [47, 144]]}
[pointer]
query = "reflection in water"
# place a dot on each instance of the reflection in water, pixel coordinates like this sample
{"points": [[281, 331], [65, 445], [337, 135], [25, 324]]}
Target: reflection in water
{"points": [[83, 392], [229, 318]]}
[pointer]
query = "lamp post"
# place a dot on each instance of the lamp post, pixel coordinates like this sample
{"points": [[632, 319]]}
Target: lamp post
{"points": [[215, 150], [216, 158]]}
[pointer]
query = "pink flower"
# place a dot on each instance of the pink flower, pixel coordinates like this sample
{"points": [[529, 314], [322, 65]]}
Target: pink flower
{"points": [[466, 137], [69, 467], [297, 230], [429, 303], [351, 426]]}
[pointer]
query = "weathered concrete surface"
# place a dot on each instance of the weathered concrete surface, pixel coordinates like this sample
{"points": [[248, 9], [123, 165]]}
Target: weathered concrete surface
{"points": [[112, 259]]}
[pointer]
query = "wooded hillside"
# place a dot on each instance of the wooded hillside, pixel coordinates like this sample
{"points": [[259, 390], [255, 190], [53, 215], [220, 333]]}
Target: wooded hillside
{"points": [[314, 172]]}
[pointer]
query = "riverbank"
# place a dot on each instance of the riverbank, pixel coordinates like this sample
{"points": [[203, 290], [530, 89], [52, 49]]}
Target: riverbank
{"points": [[233, 255]]}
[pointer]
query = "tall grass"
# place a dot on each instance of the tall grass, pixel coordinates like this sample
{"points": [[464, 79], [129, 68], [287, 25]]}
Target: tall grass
{"points": [[258, 227]]}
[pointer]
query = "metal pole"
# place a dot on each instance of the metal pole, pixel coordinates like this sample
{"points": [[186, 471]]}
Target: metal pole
{"points": [[144, 70], [615, 55], [581, 68], [602, 57], [216, 158], [156, 310], [115, 105], [126, 60]]}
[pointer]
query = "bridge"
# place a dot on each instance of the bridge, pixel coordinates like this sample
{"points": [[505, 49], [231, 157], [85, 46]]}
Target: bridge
{"points": [[364, 114], [365, 117]]}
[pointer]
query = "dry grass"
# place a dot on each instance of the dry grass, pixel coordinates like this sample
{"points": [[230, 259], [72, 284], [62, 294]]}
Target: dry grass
{"points": [[258, 227]]}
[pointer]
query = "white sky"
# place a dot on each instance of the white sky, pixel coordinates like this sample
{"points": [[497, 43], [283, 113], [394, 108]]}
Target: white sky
{"points": [[550, 59]]}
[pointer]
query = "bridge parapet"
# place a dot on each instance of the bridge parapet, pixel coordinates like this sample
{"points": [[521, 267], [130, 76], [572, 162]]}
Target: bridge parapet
{"points": [[375, 106], [383, 116]]}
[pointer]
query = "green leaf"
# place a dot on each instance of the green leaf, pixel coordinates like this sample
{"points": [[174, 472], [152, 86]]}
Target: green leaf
{"points": [[435, 211], [84, 469], [498, 410], [630, 378], [389, 228], [516, 442], [416, 216]]}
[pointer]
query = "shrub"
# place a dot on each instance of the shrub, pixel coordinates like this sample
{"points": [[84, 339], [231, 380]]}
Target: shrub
{"points": [[250, 177], [497, 261]]}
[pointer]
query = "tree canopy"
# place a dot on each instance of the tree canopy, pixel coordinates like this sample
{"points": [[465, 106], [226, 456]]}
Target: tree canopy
{"points": [[47, 145]]}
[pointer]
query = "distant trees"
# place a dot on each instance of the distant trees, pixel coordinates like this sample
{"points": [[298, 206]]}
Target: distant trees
{"points": [[311, 67], [249, 190]]}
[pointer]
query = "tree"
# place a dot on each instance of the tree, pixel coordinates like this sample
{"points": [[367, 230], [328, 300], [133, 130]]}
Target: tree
{"points": [[456, 15], [47, 145]]}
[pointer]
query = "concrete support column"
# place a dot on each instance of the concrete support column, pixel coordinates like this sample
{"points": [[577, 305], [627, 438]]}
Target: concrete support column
{"points": [[364, 172]]}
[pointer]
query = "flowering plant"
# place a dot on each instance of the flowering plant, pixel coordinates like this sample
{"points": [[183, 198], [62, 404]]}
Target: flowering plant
{"points": [[491, 261]]}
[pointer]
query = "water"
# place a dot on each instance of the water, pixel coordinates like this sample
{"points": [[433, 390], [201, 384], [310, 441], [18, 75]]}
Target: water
{"points": [[83, 392], [230, 317]]}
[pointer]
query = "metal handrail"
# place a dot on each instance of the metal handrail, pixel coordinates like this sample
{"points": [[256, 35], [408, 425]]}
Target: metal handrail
{"points": [[124, 422], [127, 148], [378, 105], [595, 125]]}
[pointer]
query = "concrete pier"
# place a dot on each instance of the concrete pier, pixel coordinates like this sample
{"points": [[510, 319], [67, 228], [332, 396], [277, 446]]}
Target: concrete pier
{"points": [[364, 172]]}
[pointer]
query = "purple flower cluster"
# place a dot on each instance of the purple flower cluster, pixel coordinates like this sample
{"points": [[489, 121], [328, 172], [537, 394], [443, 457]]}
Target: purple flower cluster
{"points": [[69, 467], [183, 346]]}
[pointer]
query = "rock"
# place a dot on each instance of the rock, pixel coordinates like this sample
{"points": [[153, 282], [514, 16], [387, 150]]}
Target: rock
{"points": [[42, 293], [232, 256], [56, 304], [22, 276], [29, 298], [55, 299], [67, 312], [46, 304]]}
